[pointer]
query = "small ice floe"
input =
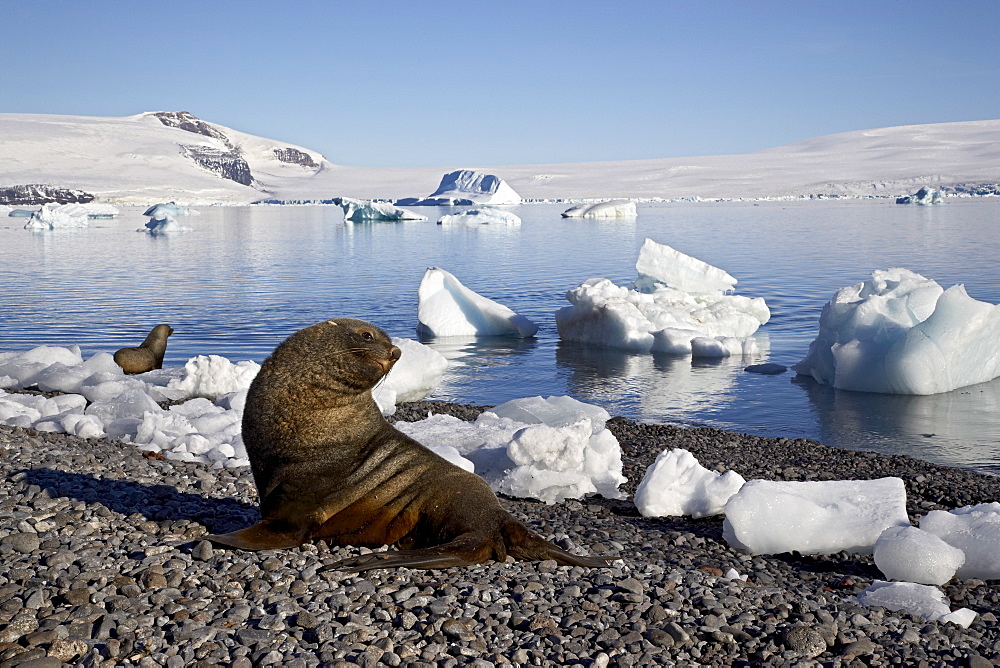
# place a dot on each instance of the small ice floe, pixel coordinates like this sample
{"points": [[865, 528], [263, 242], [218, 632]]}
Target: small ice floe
{"points": [[733, 574], [675, 300], [163, 226], [973, 529], [172, 209], [481, 216], [548, 449], [917, 599], [465, 187], [57, 217], [363, 211], [448, 308], [923, 196], [616, 208], [676, 484], [910, 554], [901, 333], [823, 517]]}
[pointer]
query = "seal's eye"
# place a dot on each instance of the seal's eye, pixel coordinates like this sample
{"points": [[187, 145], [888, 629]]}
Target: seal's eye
{"points": [[367, 336]]}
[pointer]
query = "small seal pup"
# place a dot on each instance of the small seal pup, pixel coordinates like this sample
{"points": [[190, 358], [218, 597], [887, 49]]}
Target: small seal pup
{"points": [[149, 354], [328, 465]]}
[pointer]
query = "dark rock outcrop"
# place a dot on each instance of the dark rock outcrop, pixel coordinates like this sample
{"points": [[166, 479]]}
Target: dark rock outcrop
{"points": [[295, 157], [37, 193], [227, 164], [187, 121]]}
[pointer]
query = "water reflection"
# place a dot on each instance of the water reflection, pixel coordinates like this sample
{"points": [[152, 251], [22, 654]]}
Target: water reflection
{"points": [[957, 428]]}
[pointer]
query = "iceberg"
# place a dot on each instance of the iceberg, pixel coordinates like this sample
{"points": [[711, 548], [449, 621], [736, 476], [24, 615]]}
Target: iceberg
{"points": [[57, 216], [163, 226], [676, 484], [923, 196], [464, 187], [171, 209], [359, 211], [448, 308], [616, 208], [481, 216], [675, 300], [102, 211], [816, 517], [901, 333]]}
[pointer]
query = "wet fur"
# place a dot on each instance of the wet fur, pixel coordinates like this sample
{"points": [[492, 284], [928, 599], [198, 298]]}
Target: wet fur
{"points": [[148, 355], [327, 465]]}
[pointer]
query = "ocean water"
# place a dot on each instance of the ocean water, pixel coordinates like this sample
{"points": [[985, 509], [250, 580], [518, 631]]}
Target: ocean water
{"points": [[246, 277]]}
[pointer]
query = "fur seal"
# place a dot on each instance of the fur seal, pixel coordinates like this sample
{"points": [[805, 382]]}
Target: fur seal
{"points": [[328, 465], [148, 355]]}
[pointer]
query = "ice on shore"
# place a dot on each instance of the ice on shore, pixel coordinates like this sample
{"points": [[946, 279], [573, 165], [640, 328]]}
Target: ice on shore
{"points": [[361, 211], [917, 599], [822, 517], [549, 449], [616, 208], [480, 216], [466, 187], [923, 196], [901, 333], [416, 374], [910, 554], [57, 217], [675, 300], [448, 308], [211, 376], [676, 484], [973, 529]]}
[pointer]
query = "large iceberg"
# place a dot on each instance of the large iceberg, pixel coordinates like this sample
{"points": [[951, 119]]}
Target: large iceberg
{"points": [[616, 208], [57, 216], [675, 300], [464, 187], [481, 216], [549, 449], [448, 308], [359, 211], [901, 333]]}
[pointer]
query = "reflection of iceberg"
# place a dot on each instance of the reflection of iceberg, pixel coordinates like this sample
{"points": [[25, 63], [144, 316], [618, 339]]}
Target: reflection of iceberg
{"points": [[957, 428]]}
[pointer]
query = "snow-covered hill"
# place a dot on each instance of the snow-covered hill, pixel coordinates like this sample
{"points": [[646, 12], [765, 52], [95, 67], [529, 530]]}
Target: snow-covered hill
{"points": [[160, 156]]}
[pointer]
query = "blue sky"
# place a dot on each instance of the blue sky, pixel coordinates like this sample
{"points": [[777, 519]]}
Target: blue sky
{"points": [[490, 83]]}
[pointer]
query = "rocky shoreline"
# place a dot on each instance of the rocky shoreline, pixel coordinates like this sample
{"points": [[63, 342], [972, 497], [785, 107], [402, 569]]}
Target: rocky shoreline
{"points": [[101, 564]]}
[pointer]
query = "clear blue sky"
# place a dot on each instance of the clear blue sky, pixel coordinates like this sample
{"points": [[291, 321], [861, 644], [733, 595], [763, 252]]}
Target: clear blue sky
{"points": [[509, 82]]}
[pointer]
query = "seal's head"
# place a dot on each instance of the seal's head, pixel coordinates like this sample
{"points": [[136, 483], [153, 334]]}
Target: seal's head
{"points": [[344, 353]]}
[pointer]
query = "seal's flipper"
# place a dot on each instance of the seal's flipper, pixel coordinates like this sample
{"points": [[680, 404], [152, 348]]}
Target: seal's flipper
{"points": [[470, 548], [265, 535], [523, 543]]}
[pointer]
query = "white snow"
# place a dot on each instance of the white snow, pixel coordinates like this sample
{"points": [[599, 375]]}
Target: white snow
{"points": [[913, 555], [548, 449], [815, 517], [618, 208], [675, 299], [57, 216], [901, 333], [918, 599], [448, 308], [973, 529], [359, 211], [677, 484], [481, 216]]}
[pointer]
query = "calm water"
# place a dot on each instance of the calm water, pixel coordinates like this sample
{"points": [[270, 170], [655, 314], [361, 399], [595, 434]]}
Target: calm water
{"points": [[245, 278]]}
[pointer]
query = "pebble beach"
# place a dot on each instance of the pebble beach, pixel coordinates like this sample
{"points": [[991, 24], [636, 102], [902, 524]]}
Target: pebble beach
{"points": [[102, 563]]}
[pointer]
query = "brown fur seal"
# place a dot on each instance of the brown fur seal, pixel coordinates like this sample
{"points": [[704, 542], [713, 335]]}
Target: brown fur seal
{"points": [[149, 354], [328, 466]]}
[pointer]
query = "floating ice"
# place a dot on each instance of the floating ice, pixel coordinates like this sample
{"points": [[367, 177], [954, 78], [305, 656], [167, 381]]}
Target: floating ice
{"points": [[723, 346], [359, 211], [913, 555], [211, 376], [171, 209], [464, 187], [901, 333], [616, 208], [448, 308], [413, 377], [676, 484], [768, 517], [923, 196], [551, 449], [57, 216], [482, 216], [162, 226], [656, 315], [973, 529], [917, 599]]}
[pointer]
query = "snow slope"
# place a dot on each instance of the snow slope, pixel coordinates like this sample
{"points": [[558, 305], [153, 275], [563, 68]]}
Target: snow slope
{"points": [[142, 159]]}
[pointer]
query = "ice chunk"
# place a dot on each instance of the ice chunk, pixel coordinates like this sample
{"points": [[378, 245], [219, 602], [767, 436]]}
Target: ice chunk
{"points": [[211, 376], [913, 555], [465, 186], [723, 346], [659, 264], [60, 377], [917, 599], [360, 211], [164, 225], [923, 196], [973, 529], [24, 368], [768, 517], [616, 208], [448, 308], [131, 402], [100, 211], [169, 209], [481, 216], [900, 333], [57, 216], [677, 484], [413, 377]]}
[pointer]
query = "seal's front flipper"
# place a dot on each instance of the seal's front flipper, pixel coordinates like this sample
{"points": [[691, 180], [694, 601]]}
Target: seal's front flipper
{"points": [[265, 535]]}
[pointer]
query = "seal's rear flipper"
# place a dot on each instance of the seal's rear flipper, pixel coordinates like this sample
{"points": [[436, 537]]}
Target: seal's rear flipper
{"points": [[470, 548], [265, 535], [523, 543]]}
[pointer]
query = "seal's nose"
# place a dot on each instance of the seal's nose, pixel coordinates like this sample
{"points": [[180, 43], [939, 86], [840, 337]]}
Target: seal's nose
{"points": [[395, 353]]}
